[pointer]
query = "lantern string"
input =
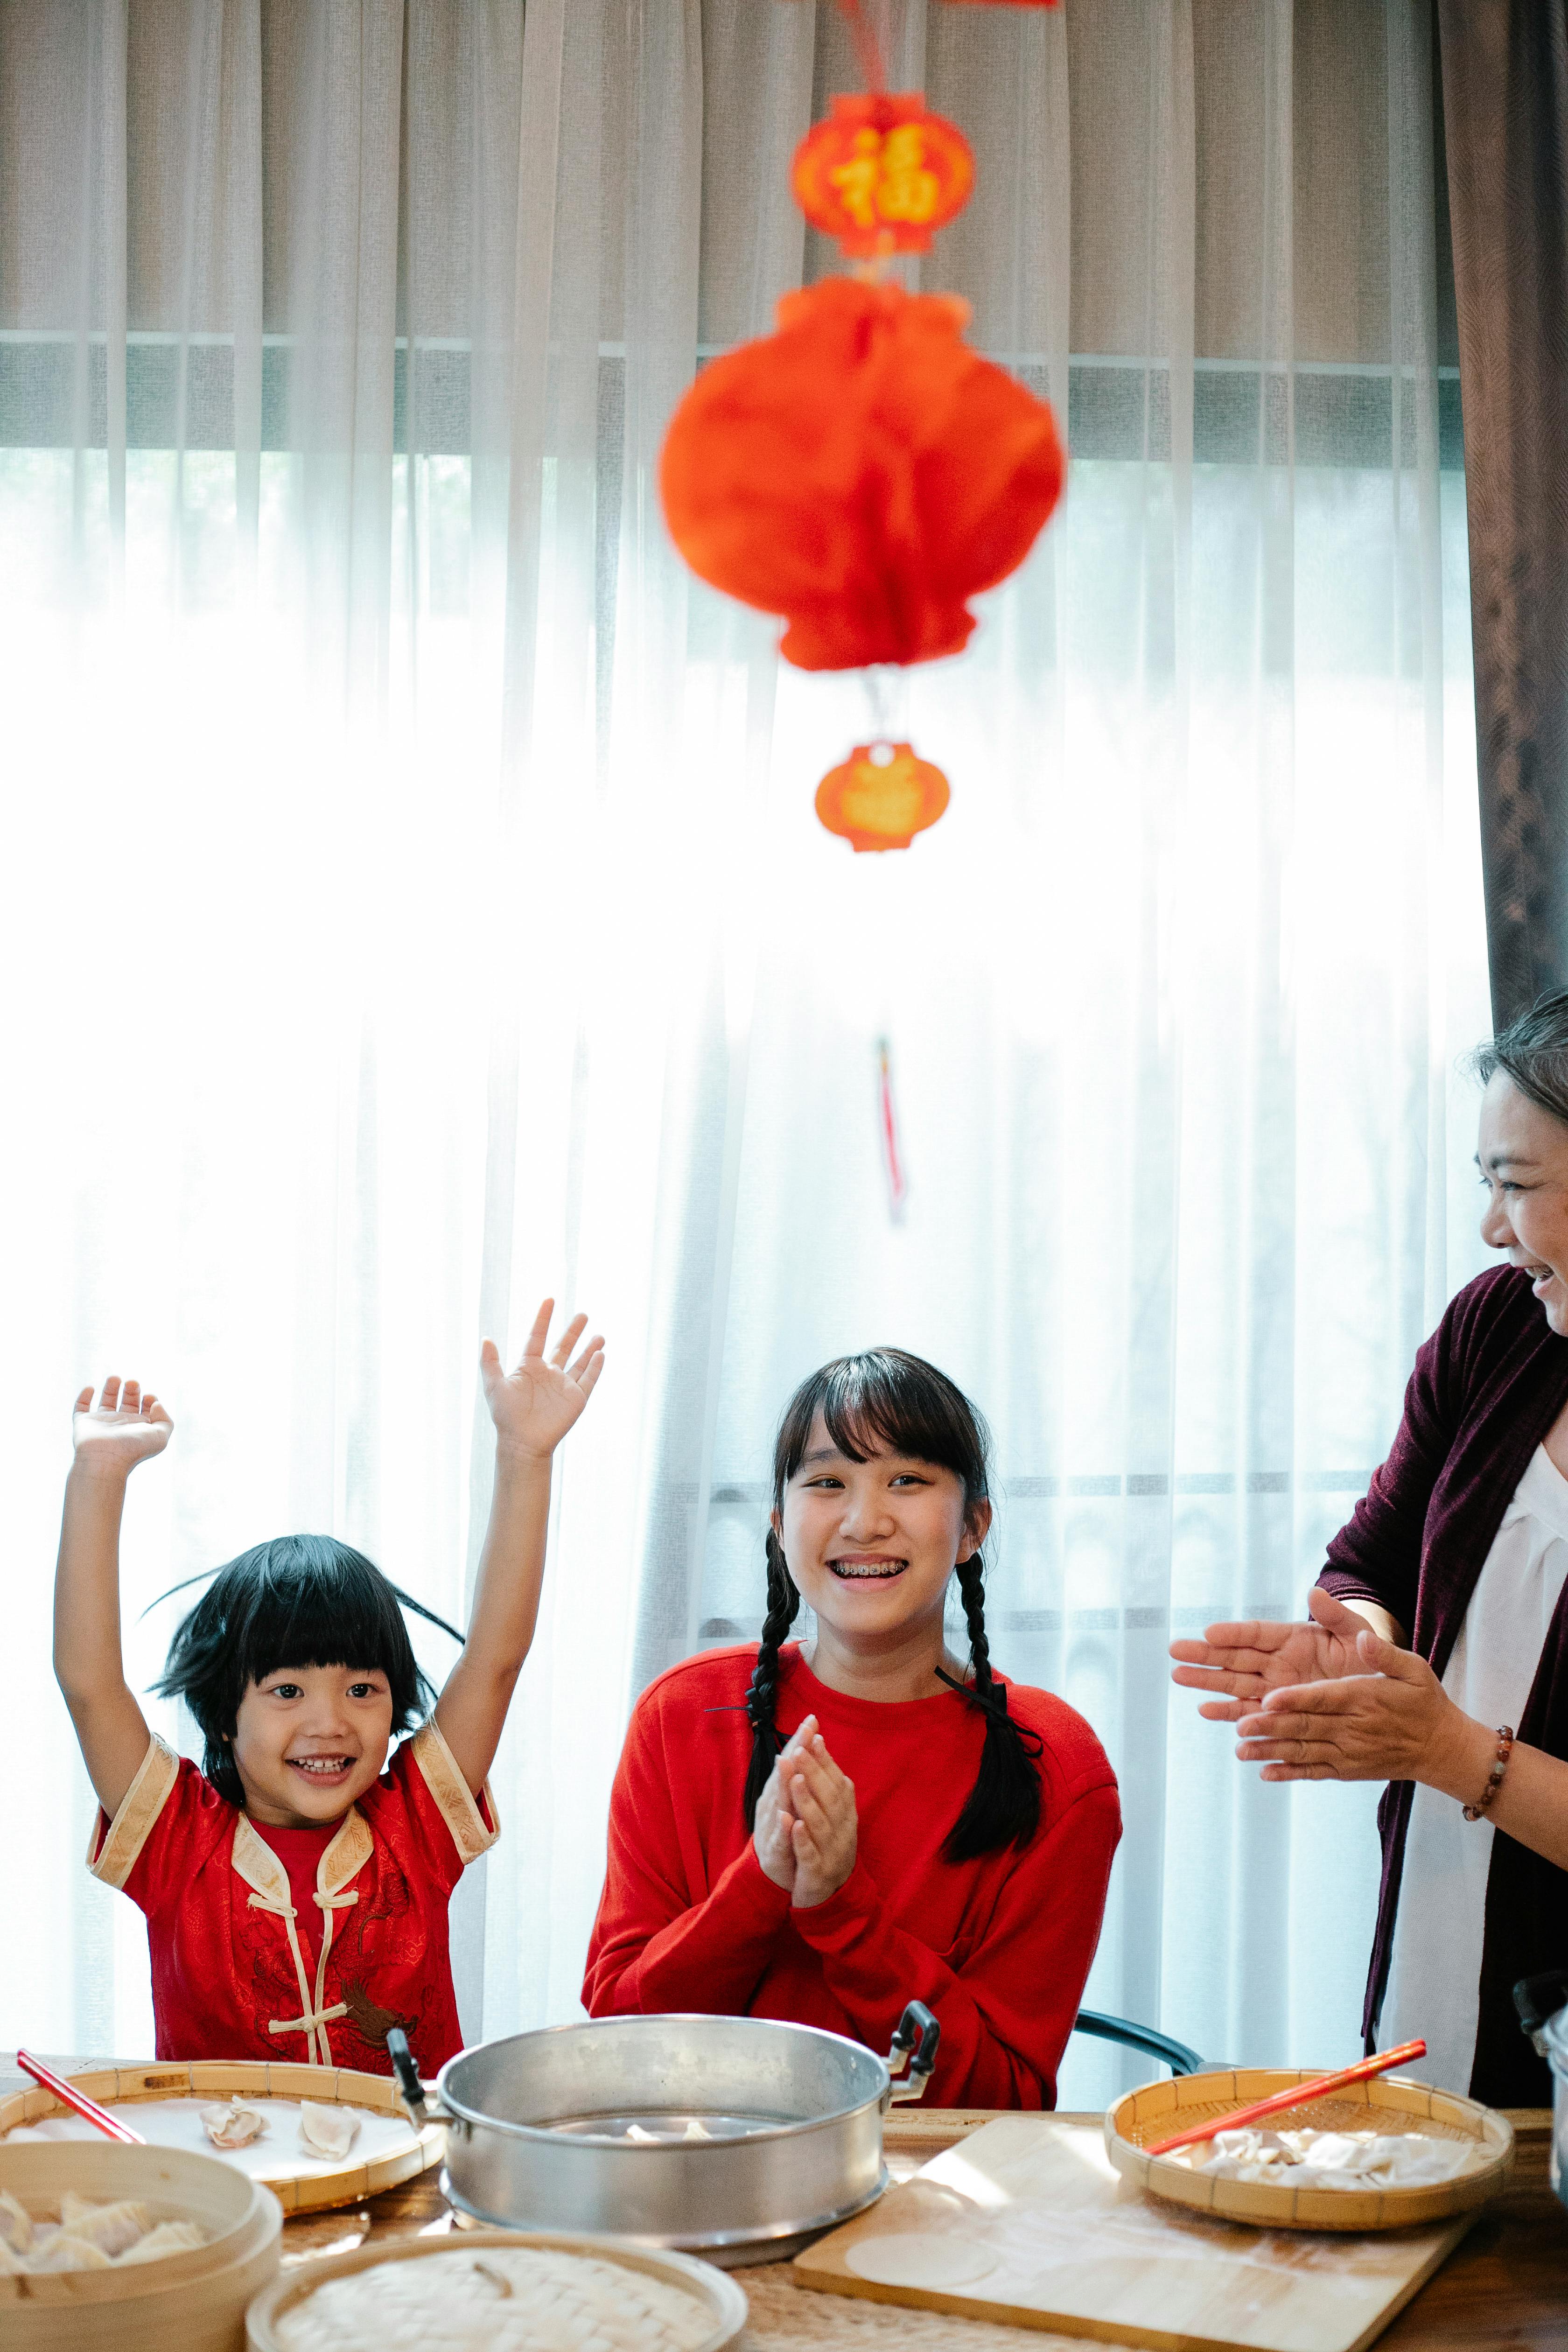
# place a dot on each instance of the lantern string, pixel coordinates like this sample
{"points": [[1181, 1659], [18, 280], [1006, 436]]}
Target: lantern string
{"points": [[868, 48], [888, 695]]}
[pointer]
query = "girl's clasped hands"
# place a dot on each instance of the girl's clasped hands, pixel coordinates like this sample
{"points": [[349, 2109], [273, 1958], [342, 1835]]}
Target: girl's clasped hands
{"points": [[805, 1834]]}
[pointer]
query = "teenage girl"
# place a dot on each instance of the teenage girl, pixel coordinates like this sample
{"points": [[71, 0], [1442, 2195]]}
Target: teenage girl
{"points": [[296, 1886], [823, 1834]]}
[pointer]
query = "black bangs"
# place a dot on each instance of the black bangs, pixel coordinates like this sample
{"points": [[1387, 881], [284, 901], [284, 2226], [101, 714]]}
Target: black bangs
{"points": [[299, 1601], [886, 1402]]}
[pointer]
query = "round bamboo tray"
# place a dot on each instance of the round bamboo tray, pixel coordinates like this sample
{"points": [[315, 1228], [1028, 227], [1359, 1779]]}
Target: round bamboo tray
{"points": [[299, 2190], [191, 2302], [1385, 2104], [715, 2290]]}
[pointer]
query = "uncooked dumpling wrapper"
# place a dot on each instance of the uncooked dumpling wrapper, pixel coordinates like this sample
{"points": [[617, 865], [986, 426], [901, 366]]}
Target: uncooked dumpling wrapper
{"points": [[15, 2223], [233, 2125], [168, 2238], [90, 2237], [326, 2131], [111, 2227], [65, 2252], [1326, 2159]]}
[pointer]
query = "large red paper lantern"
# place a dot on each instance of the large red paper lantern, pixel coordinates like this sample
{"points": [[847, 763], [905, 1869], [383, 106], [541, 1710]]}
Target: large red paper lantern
{"points": [[862, 473], [881, 174]]}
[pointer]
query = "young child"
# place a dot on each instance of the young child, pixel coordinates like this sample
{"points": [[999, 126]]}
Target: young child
{"points": [[296, 1887], [823, 1834]]}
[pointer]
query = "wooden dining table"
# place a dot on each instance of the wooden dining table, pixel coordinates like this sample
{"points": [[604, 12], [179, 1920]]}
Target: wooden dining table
{"points": [[1503, 2289]]}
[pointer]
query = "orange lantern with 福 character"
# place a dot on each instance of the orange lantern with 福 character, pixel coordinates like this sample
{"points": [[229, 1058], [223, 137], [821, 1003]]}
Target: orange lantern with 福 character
{"points": [[882, 796], [881, 174]]}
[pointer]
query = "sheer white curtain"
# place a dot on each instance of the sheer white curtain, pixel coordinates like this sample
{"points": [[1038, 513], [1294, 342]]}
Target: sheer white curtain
{"points": [[413, 901]]}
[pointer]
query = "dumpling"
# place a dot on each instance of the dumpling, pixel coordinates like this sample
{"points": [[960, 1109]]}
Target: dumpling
{"points": [[326, 2131], [65, 2252], [112, 2227], [233, 2125], [168, 2238], [15, 2223]]}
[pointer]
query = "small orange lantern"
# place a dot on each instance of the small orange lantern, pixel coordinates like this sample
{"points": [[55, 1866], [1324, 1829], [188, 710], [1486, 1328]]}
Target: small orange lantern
{"points": [[881, 174], [882, 796]]}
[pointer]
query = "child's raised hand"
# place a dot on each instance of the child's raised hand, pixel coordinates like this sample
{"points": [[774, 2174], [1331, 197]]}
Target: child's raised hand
{"points": [[534, 1407], [125, 1427], [533, 1410]]}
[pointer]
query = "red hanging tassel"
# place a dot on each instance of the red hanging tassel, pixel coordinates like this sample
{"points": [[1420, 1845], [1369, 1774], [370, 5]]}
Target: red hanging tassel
{"points": [[888, 1122]]}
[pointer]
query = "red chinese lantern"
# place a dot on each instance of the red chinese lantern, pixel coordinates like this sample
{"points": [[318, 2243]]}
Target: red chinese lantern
{"points": [[862, 473], [881, 174], [882, 796]]}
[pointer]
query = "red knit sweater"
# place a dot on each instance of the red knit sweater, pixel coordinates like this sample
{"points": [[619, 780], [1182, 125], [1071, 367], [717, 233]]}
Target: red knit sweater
{"points": [[999, 1946]]}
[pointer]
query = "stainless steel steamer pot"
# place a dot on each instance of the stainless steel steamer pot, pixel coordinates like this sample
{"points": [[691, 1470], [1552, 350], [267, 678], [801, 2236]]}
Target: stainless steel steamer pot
{"points": [[726, 2137]]}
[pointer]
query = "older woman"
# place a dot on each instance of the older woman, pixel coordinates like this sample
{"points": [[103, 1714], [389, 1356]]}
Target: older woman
{"points": [[1435, 1657]]}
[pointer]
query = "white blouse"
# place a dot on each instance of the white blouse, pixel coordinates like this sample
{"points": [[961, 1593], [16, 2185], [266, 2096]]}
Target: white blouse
{"points": [[1435, 1966]]}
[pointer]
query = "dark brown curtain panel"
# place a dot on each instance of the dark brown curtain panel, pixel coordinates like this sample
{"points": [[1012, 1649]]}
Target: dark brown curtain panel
{"points": [[1505, 110]]}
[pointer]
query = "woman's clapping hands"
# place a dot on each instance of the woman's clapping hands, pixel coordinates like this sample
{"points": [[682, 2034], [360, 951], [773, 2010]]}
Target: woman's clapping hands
{"points": [[1246, 1662], [1389, 1719], [805, 1834]]}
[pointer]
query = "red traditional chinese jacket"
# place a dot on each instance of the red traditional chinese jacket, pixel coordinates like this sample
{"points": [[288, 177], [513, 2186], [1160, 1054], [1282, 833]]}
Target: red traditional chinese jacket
{"points": [[232, 1961]]}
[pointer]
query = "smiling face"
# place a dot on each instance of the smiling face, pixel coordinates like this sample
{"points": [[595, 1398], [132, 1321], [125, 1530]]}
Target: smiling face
{"points": [[873, 1544], [308, 1740], [1523, 1159]]}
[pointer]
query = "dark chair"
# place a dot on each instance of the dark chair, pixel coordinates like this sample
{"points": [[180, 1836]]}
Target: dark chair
{"points": [[1173, 2055]]}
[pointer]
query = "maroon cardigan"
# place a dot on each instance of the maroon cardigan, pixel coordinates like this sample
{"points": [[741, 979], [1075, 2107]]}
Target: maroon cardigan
{"points": [[1487, 1387]]}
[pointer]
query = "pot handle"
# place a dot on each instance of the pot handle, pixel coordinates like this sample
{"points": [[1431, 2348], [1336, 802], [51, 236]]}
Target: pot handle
{"points": [[1538, 2000], [407, 2074], [915, 2036]]}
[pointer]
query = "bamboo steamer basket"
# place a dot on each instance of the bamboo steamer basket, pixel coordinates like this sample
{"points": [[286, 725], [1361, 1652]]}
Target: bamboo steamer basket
{"points": [[1388, 2103], [716, 2291], [192, 2302], [245, 2078]]}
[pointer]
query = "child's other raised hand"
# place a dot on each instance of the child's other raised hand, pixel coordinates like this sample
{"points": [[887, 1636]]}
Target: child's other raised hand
{"points": [[125, 1427], [534, 1407]]}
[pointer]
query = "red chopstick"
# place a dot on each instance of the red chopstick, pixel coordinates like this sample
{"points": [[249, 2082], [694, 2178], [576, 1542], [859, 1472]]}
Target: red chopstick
{"points": [[1319, 2088], [71, 2096]]}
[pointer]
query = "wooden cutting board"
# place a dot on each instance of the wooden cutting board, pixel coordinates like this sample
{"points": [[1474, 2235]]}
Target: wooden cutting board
{"points": [[1026, 2221]]}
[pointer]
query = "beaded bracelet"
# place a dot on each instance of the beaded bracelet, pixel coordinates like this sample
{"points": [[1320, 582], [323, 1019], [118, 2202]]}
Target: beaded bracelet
{"points": [[1504, 1750]]}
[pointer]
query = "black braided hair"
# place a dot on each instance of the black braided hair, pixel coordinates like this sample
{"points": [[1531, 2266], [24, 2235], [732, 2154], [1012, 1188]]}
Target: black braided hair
{"points": [[784, 1606], [1003, 1806], [886, 1401]]}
